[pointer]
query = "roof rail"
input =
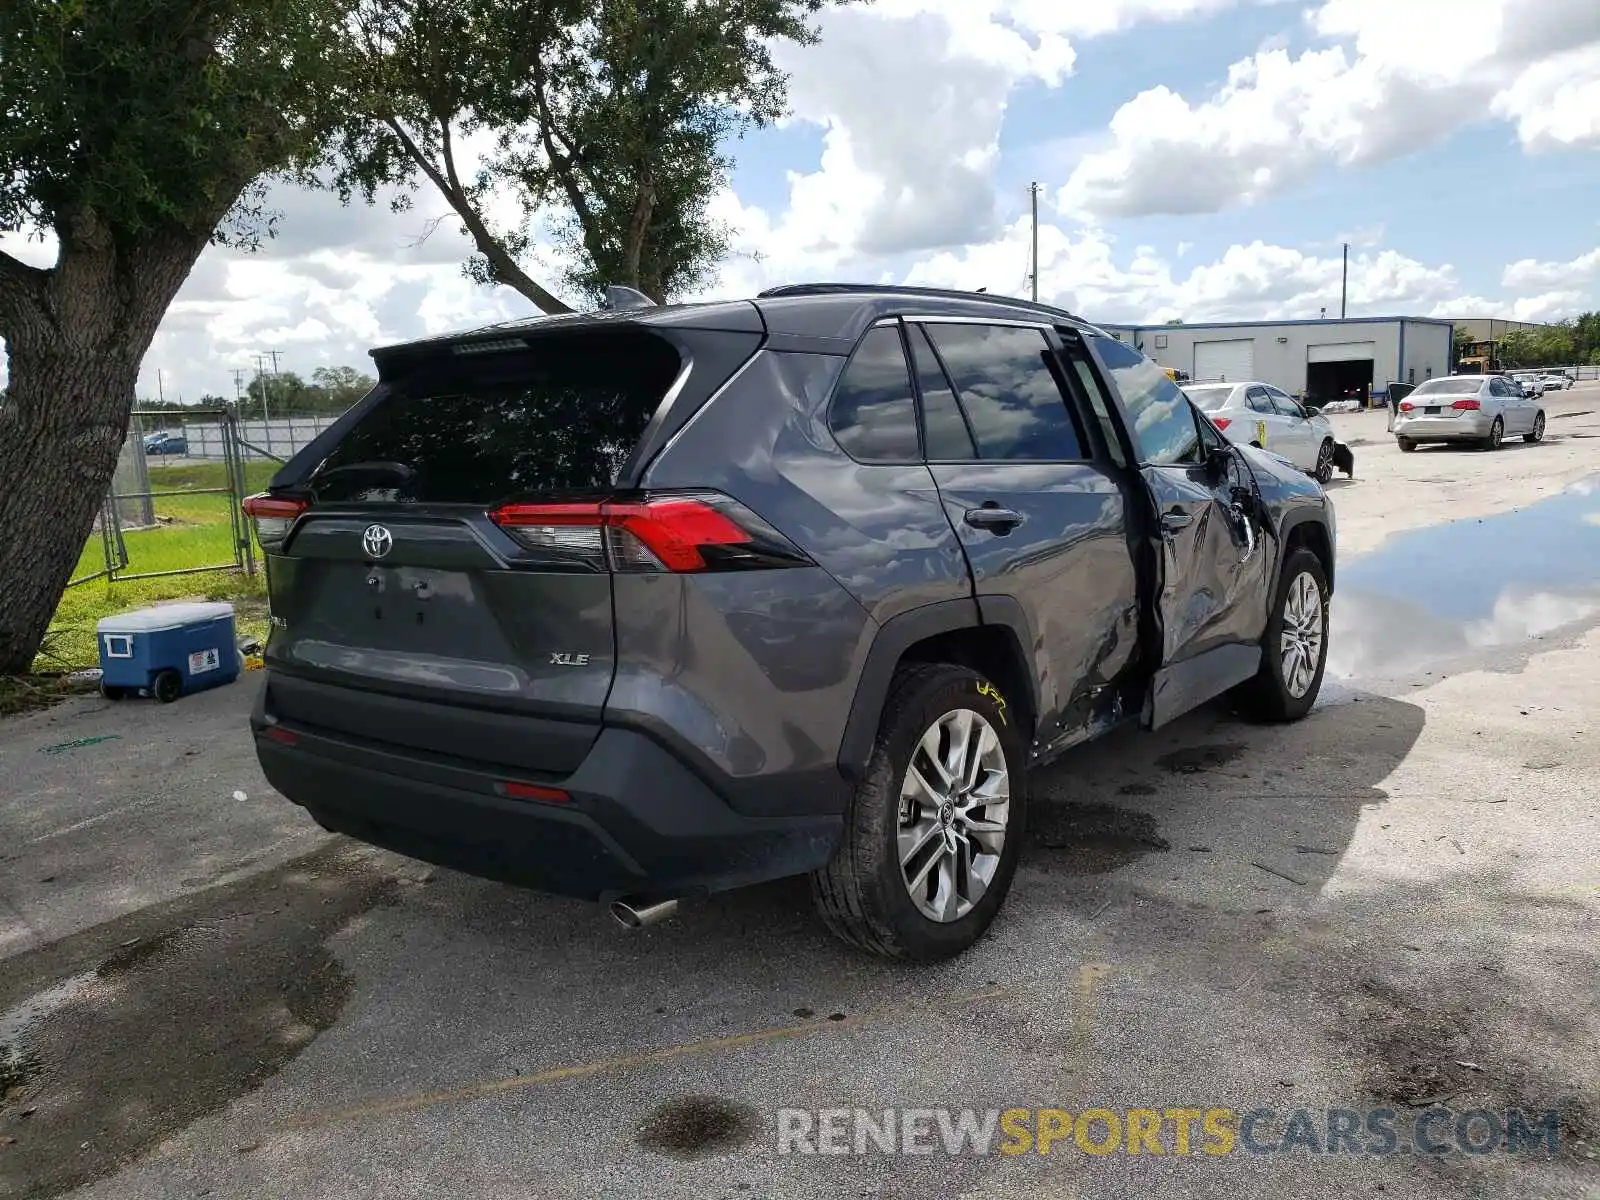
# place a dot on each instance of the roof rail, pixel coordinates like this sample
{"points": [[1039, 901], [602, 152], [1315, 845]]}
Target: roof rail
{"points": [[896, 289]]}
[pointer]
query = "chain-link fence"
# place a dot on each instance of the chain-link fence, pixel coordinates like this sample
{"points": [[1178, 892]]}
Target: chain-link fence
{"points": [[169, 512], [178, 436]]}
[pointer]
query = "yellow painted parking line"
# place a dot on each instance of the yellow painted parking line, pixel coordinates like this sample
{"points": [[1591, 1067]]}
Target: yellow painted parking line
{"points": [[646, 1058]]}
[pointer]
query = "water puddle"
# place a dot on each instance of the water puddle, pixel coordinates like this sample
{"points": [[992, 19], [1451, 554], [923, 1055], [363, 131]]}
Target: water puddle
{"points": [[1433, 595]]}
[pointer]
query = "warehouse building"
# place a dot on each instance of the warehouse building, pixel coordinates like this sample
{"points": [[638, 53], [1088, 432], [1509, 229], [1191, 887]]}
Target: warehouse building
{"points": [[1321, 360]]}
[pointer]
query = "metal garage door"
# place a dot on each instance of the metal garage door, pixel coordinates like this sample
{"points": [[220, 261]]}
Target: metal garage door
{"points": [[1231, 361], [1341, 351]]}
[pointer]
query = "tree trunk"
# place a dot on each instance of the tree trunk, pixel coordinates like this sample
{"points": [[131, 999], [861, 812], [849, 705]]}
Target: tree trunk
{"points": [[74, 363]]}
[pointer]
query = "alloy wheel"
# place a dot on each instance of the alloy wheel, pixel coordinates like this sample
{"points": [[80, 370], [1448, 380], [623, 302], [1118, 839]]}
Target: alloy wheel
{"points": [[1300, 642], [1325, 462], [1538, 428], [955, 807]]}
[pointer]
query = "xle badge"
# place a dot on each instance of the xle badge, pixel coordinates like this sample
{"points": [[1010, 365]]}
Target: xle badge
{"points": [[560, 658]]}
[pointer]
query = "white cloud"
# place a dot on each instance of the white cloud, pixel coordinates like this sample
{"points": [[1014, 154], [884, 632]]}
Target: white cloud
{"points": [[1526, 275], [911, 95], [1389, 84], [1082, 271]]}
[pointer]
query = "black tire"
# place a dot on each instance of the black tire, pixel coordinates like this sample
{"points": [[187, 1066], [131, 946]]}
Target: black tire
{"points": [[1537, 435], [111, 692], [1497, 433], [167, 686], [1324, 469], [861, 894], [1268, 697], [1407, 446]]}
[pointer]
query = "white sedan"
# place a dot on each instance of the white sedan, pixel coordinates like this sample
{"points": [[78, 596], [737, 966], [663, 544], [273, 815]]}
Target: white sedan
{"points": [[1262, 415], [1556, 383]]}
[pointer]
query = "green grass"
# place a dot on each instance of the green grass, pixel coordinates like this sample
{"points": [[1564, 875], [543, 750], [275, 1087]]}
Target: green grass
{"points": [[195, 531]]}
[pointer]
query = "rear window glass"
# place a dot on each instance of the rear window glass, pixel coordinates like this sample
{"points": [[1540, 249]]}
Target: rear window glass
{"points": [[1449, 387], [874, 414], [476, 429], [1208, 399]]}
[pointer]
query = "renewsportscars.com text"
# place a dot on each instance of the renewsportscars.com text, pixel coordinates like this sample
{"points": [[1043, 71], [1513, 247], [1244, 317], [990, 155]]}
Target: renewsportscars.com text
{"points": [[1167, 1131]]}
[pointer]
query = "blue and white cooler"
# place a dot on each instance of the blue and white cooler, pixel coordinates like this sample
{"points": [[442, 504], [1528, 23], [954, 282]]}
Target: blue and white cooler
{"points": [[167, 651]]}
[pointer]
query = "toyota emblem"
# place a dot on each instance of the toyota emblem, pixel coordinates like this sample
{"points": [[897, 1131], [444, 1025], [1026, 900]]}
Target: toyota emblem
{"points": [[377, 541]]}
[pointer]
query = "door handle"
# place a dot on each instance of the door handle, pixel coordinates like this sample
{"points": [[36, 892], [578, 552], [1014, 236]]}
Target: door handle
{"points": [[991, 516], [1175, 520]]}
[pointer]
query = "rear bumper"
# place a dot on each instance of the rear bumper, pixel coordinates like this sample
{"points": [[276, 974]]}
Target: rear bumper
{"points": [[638, 821], [1469, 426]]}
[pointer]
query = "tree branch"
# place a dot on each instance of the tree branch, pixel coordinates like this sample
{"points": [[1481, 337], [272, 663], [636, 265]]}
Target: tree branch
{"points": [[562, 164], [502, 266], [22, 294]]}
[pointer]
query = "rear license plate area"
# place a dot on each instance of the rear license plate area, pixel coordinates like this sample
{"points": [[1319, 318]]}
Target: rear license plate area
{"points": [[1431, 410]]}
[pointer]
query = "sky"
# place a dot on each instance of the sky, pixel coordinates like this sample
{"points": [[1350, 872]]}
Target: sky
{"points": [[1196, 159]]}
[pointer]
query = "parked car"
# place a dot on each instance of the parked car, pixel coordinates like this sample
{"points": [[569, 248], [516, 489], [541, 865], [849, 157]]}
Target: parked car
{"points": [[653, 602], [1533, 386], [166, 443], [1259, 414], [1556, 382], [1483, 409]]}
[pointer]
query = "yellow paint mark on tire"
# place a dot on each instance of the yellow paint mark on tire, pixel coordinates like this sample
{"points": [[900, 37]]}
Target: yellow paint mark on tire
{"points": [[985, 688]]}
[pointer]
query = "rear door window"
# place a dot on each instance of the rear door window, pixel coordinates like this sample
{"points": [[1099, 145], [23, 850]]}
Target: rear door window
{"points": [[944, 428], [1011, 398], [874, 413], [563, 415]]}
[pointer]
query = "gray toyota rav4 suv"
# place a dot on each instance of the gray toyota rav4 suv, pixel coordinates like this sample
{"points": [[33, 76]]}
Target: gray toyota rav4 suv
{"points": [[655, 601]]}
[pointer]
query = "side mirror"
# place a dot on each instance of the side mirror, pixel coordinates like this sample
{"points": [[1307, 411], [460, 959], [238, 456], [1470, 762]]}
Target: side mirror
{"points": [[1218, 458]]}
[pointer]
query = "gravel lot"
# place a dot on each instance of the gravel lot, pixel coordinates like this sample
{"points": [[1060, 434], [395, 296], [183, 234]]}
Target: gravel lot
{"points": [[1395, 903]]}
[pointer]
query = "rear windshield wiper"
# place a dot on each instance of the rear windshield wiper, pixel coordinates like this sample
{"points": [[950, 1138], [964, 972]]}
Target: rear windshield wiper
{"points": [[365, 468]]}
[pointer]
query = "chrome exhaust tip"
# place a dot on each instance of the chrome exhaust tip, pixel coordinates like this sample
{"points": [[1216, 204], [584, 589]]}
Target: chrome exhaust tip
{"points": [[634, 913]]}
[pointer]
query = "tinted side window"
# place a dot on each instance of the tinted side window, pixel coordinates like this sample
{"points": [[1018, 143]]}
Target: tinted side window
{"points": [[873, 414], [1288, 407], [1258, 400], [1093, 391], [1011, 397], [1163, 425], [944, 428]]}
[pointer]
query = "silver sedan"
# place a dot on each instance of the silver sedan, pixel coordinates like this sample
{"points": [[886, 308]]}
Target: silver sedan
{"points": [[1481, 409]]}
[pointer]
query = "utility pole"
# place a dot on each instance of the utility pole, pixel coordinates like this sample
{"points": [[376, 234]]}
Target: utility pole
{"points": [[1033, 192], [161, 391], [1344, 283], [273, 355]]}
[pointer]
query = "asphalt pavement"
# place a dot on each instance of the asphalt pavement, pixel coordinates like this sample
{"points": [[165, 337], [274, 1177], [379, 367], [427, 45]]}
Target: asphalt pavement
{"points": [[1393, 905]]}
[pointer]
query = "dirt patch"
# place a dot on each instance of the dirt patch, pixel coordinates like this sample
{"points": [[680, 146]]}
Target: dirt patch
{"points": [[137, 1028], [1191, 760], [137, 951], [1092, 839], [16, 1070], [1425, 1054], [29, 693], [697, 1127]]}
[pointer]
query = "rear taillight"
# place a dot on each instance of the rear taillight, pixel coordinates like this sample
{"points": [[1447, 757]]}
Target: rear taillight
{"points": [[1406, 406], [274, 516], [677, 532], [1466, 405], [1222, 422]]}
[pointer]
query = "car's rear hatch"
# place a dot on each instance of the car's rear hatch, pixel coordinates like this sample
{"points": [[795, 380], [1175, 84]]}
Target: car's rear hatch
{"points": [[430, 586]]}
